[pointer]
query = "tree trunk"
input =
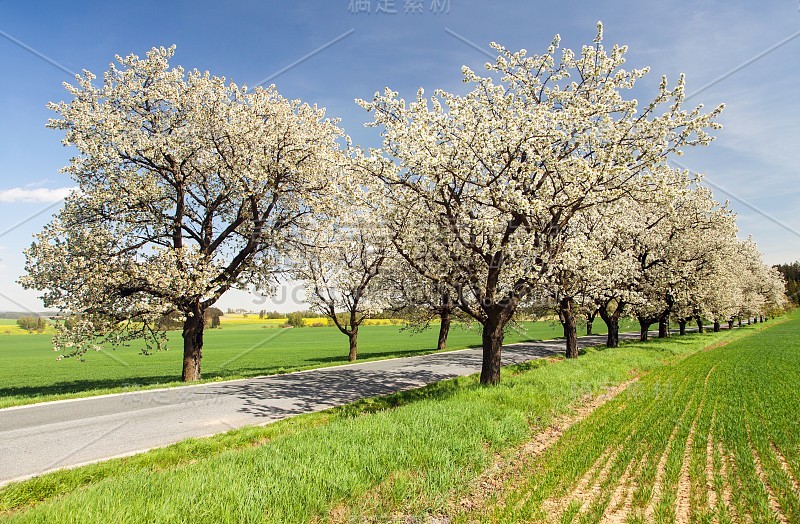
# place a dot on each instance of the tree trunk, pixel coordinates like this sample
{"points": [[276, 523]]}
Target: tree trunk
{"points": [[570, 327], [444, 329], [699, 321], [730, 324], [590, 322], [682, 326], [353, 336], [612, 323], [644, 325], [740, 321], [612, 340], [748, 320], [492, 345], [663, 327], [192, 344], [716, 326]]}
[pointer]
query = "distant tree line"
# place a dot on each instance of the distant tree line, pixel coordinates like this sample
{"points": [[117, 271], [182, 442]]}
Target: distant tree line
{"points": [[791, 272], [14, 315]]}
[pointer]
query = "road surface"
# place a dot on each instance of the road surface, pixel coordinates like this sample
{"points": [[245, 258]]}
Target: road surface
{"points": [[43, 437]]}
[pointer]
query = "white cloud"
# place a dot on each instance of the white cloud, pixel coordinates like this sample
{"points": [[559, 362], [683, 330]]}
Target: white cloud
{"points": [[39, 194]]}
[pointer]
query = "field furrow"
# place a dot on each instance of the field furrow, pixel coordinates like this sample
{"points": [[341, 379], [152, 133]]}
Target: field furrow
{"points": [[712, 439]]}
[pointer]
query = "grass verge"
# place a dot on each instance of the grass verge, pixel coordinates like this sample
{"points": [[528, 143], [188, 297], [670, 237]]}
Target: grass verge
{"points": [[413, 449]]}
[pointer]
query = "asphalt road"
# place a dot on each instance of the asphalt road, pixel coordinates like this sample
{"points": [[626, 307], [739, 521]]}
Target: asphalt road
{"points": [[43, 437]]}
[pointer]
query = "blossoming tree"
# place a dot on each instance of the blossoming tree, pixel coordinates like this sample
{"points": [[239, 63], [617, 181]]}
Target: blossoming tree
{"points": [[338, 261], [673, 250], [187, 186]]}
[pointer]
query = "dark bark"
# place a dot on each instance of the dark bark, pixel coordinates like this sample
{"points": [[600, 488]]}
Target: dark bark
{"points": [[644, 325], [611, 319], [590, 321], [193, 344], [682, 326], [444, 328], [716, 326], [730, 324], [353, 336], [740, 321], [348, 326], [663, 319], [492, 345], [699, 321], [612, 340], [567, 316], [663, 327]]}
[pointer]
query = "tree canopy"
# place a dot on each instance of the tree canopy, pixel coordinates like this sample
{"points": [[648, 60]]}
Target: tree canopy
{"points": [[188, 185]]}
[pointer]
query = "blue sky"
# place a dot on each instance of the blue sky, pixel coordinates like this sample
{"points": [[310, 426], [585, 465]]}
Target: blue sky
{"points": [[728, 44]]}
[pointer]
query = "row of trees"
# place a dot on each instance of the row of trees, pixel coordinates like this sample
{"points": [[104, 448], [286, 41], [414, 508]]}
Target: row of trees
{"points": [[543, 183]]}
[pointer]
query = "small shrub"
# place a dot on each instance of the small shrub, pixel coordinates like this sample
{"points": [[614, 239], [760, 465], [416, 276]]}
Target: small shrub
{"points": [[32, 324], [295, 319], [212, 315]]}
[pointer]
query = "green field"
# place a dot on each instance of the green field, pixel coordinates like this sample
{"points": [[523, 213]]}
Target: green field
{"points": [[420, 453], [29, 371], [713, 439]]}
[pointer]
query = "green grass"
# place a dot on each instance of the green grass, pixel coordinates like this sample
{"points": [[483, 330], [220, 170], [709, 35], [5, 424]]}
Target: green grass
{"points": [[29, 371], [408, 452], [734, 408]]}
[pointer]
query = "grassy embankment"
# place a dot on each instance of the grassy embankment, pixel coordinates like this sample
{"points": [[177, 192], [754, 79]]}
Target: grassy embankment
{"points": [[417, 452]]}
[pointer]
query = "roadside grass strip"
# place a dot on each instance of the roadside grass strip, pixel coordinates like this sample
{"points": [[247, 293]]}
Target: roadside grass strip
{"points": [[411, 454]]}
